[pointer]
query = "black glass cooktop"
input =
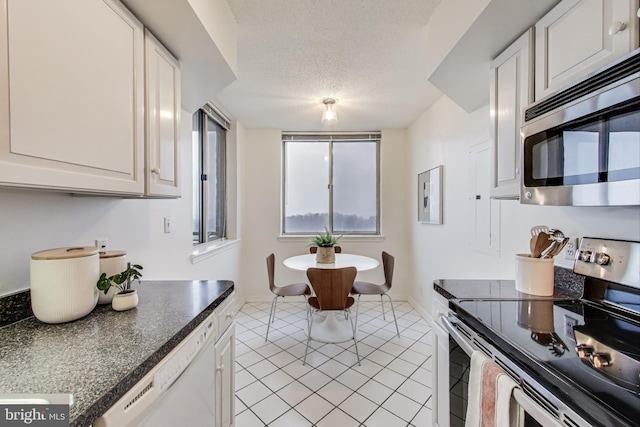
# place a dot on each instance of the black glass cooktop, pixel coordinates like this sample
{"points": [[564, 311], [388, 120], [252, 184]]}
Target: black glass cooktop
{"points": [[587, 356]]}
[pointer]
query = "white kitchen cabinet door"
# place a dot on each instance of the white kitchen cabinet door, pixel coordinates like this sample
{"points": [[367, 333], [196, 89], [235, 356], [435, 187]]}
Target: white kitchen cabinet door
{"points": [[440, 381], [225, 378], [511, 89], [162, 120], [71, 96], [578, 37]]}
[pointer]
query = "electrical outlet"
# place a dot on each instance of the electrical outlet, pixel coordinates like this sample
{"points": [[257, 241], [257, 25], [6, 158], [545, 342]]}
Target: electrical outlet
{"points": [[167, 224], [570, 249], [569, 323], [102, 243]]}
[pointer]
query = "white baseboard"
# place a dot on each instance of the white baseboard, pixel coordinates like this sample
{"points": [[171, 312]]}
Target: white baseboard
{"points": [[425, 315], [240, 300]]}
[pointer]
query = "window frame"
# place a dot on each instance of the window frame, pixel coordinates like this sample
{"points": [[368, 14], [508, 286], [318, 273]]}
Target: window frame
{"points": [[331, 138], [201, 178]]}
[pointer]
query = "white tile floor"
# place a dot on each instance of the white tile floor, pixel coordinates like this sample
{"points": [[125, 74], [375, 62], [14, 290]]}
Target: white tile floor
{"points": [[391, 388]]}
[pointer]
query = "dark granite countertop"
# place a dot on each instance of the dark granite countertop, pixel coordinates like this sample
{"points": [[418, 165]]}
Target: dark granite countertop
{"points": [[100, 357], [568, 285]]}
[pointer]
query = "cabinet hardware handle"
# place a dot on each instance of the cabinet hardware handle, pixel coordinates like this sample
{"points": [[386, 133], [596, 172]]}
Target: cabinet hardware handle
{"points": [[229, 315], [220, 368], [155, 171], [616, 27], [478, 196]]}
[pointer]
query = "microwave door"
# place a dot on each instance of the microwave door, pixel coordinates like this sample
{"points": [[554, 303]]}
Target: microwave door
{"points": [[593, 161], [623, 148]]}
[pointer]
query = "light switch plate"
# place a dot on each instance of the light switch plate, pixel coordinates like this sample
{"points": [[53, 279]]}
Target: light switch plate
{"points": [[167, 224]]}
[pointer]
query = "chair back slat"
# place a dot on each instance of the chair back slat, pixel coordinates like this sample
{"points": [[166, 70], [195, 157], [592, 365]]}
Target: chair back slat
{"points": [[332, 286], [388, 262], [271, 260]]}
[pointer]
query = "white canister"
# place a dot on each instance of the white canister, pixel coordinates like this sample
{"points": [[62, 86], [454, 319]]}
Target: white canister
{"points": [[111, 262], [534, 276], [63, 283]]}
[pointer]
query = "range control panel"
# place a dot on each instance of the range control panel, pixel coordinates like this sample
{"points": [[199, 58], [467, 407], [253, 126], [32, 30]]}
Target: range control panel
{"points": [[616, 261]]}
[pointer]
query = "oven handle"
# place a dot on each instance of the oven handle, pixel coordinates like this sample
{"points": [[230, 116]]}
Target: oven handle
{"points": [[534, 410], [526, 402], [448, 322]]}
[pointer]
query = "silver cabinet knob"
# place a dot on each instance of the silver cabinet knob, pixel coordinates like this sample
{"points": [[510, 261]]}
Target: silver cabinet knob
{"points": [[155, 171]]}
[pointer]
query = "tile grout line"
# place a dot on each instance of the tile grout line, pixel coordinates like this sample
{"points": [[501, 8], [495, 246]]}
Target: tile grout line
{"points": [[376, 331]]}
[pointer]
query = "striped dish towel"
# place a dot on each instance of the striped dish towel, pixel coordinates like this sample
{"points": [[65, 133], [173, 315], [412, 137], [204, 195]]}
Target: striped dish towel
{"points": [[490, 395]]}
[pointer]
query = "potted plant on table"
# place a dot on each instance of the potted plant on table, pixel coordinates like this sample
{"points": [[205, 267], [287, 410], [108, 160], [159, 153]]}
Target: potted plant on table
{"points": [[325, 242], [126, 298]]}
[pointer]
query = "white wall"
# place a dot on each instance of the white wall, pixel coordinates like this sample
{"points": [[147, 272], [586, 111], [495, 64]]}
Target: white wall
{"points": [[443, 135], [262, 163], [36, 220]]}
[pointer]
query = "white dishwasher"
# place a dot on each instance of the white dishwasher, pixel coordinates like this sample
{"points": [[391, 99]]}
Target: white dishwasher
{"points": [[179, 391]]}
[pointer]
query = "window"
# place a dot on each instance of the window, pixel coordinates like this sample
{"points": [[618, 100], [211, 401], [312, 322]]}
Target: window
{"points": [[331, 180], [209, 161]]}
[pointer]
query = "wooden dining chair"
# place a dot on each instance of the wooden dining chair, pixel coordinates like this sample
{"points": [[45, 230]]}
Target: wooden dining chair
{"points": [[366, 288], [331, 288], [314, 249], [295, 289]]}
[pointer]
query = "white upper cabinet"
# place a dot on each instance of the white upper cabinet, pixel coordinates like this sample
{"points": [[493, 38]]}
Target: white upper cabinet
{"points": [[163, 120], [71, 96], [579, 36], [510, 91]]}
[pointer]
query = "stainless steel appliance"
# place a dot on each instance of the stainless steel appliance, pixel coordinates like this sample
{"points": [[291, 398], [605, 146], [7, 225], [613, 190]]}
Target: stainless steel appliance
{"points": [[581, 367], [581, 146]]}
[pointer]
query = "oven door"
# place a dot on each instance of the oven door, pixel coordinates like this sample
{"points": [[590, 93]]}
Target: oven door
{"points": [[463, 341]]}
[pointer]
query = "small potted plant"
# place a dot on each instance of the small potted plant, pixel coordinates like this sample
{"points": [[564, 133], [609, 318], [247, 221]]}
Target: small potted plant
{"points": [[126, 298], [325, 242]]}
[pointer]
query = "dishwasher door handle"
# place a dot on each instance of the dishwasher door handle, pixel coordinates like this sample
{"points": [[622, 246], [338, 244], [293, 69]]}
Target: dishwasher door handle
{"points": [[448, 322]]}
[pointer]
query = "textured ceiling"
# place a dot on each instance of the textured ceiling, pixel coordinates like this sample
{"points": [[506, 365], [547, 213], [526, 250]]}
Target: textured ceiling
{"points": [[370, 55]]}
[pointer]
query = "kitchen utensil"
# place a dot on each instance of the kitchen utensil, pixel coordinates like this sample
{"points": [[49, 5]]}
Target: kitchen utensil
{"points": [[558, 242], [556, 234], [546, 252], [557, 247], [532, 245], [542, 244], [535, 230]]}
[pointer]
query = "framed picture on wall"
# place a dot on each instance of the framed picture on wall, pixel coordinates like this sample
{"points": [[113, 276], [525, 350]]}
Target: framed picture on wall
{"points": [[430, 196]]}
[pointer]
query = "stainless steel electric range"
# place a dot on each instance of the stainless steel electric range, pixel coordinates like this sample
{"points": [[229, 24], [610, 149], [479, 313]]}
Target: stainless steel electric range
{"points": [[577, 361]]}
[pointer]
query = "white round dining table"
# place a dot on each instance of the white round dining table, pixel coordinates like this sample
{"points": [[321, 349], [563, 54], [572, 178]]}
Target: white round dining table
{"points": [[331, 327], [306, 261]]}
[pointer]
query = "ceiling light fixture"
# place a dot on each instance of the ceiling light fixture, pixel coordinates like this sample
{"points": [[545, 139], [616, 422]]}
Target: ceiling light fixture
{"points": [[329, 115]]}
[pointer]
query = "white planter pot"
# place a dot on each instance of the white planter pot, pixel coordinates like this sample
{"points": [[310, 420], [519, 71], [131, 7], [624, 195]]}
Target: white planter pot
{"points": [[125, 301]]}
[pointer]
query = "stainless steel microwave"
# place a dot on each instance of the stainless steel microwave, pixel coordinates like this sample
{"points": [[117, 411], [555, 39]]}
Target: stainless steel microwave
{"points": [[581, 145]]}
